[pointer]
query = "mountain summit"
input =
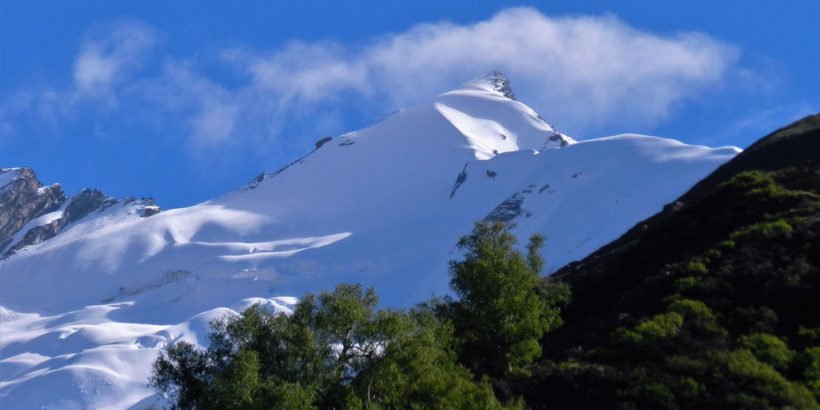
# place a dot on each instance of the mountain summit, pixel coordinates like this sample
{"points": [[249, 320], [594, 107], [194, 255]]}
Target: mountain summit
{"points": [[383, 206], [500, 84]]}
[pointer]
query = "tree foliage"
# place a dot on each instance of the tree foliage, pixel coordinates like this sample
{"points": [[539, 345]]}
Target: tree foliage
{"points": [[500, 314], [336, 350]]}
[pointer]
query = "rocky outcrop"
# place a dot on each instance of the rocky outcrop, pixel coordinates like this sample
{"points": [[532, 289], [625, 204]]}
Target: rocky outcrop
{"points": [[323, 141], [23, 198], [561, 138], [80, 205], [462, 176], [508, 210], [84, 202], [501, 84], [147, 206]]}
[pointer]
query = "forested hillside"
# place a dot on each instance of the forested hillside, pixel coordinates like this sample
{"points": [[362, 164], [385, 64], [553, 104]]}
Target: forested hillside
{"points": [[713, 303]]}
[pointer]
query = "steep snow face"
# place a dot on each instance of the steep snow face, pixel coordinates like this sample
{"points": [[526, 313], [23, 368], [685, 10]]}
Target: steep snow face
{"points": [[492, 123], [90, 308]]}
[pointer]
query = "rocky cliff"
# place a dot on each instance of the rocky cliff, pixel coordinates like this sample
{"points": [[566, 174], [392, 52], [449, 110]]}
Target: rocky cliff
{"points": [[23, 198], [31, 213]]}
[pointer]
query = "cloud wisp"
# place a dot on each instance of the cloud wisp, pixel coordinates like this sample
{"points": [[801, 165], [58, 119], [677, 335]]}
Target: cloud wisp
{"points": [[579, 72], [108, 59], [108, 56]]}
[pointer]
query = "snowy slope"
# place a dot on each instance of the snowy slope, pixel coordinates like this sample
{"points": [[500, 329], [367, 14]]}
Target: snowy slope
{"points": [[83, 314]]}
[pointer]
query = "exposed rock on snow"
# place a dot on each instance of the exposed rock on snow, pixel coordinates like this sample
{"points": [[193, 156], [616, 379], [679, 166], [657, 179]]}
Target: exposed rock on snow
{"points": [[23, 198], [31, 213], [501, 84]]}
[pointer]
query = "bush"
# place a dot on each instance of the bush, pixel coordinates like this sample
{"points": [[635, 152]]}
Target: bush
{"points": [[769, 349]]}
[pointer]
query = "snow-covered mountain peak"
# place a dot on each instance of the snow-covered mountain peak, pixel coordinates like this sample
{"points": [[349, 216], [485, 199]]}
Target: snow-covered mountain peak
{"points": [[494, 82], [475, 121], [486, 114], [91, 289]]}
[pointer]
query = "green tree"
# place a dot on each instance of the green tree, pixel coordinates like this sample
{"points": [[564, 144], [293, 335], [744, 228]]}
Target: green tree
{"points": [[501, 311], [418, 369], [810, 368], [182, 371], [769, 349], [239, 385]]}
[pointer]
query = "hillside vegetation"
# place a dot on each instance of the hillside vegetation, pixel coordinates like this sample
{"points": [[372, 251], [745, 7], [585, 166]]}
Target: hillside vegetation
{"points": [[713, 303]]}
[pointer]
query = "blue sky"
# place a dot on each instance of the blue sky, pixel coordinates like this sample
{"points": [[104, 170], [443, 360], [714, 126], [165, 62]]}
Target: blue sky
{"points": [[184, 101]]}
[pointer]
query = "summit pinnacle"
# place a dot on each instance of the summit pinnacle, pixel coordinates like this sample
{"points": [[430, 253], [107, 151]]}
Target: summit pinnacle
{"points": [[501, 84]]}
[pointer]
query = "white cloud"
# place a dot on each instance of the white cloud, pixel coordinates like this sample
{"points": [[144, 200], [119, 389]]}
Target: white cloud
{"points": [[107, 56], [206, 110], [579, 72], [582, 73], [214, 122], [92, 70], [303, 72]]}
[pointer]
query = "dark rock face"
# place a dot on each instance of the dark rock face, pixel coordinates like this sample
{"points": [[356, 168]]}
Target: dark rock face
{"points": [[508, 210], [462, 176], [23, 199], [501, 84], [149, 208], [323, 141], [85, 202], [559, 137]]}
